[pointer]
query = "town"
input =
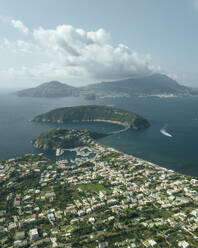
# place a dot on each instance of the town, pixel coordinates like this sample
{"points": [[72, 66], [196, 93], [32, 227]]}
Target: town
{"points": [[107, 200]]}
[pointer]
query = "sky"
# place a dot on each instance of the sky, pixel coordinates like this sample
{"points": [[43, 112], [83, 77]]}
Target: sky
{"points": [[88, 41]]}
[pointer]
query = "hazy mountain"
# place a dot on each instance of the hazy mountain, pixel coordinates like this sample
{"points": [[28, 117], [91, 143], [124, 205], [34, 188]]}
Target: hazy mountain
{"points": [[154, 85], [50, 89]]}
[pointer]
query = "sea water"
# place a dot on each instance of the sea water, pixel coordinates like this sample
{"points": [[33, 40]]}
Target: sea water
{"points": [[171, 141]]}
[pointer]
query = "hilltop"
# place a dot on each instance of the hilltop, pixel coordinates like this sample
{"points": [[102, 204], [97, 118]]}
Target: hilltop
{"points": [[155, 85], [94, 113], [49, 89], [62, 138]]}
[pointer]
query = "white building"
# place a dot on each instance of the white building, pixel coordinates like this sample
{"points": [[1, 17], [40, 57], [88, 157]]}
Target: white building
{"points": [[33, 234], [183, 244], [92, 220], [152, 242], [195, 212]]}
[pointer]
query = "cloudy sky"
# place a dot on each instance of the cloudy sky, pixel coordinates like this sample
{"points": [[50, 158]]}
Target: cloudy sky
{"points": [[81, 42]]}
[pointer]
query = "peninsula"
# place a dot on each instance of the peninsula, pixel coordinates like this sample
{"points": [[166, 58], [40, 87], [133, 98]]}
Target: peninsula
{"points": [[94, 113], [62, 138]]}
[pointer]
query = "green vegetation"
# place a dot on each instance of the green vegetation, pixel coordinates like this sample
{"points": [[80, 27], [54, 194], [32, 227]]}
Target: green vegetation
{"points": [[92, 187], [65, 138], [94, 113]]}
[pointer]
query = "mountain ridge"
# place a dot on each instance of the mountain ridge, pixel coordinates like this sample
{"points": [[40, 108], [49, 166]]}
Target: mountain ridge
{"points": [[49, 89], [154, 85]]}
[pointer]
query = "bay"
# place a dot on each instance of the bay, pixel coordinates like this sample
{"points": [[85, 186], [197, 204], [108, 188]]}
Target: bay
{"points": [[178, 116]]}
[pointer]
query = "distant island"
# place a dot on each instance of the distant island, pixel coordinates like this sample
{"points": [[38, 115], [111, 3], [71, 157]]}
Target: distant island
{"points": [[62, 138], [156, 85], [94, 113], [49, 89]]}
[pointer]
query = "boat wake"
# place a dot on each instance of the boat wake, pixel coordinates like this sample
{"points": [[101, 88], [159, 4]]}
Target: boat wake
{"points": [[164, 132]]}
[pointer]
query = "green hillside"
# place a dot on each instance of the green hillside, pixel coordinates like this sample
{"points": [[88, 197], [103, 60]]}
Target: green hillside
{"points": [[65, 138], [94, 113]]}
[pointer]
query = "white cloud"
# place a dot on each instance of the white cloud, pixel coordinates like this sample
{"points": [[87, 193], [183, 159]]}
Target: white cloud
{"points": [[76, 56], [18, 46], [19, 25], [92, 53], [43, 73]]}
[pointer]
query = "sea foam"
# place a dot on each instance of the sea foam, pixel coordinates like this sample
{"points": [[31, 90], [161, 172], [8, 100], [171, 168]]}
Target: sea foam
{"points": [[164, 131]]}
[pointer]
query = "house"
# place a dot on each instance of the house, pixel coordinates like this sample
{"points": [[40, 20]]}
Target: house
{"points": [[132, 245], [152, 242], [20, 243], [111, 218], [81, 213], [12, 226], [149, 243], [51, 217], [183, 244], [30, 220], [54, 242], [92, 220], [34, 234], [17, 203], [195, 212], [103, 245], [111, 202], [89, 211]]}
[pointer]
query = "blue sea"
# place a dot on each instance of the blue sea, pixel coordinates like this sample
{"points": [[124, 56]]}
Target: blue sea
{"points": [[171, 141]]}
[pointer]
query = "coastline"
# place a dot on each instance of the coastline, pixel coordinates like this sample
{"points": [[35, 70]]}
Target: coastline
{"points": [[77, 121], [111, 187], [140, 160]]}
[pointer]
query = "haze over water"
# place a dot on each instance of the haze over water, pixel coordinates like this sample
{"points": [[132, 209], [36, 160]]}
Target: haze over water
{"points": [[180, 115]]}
